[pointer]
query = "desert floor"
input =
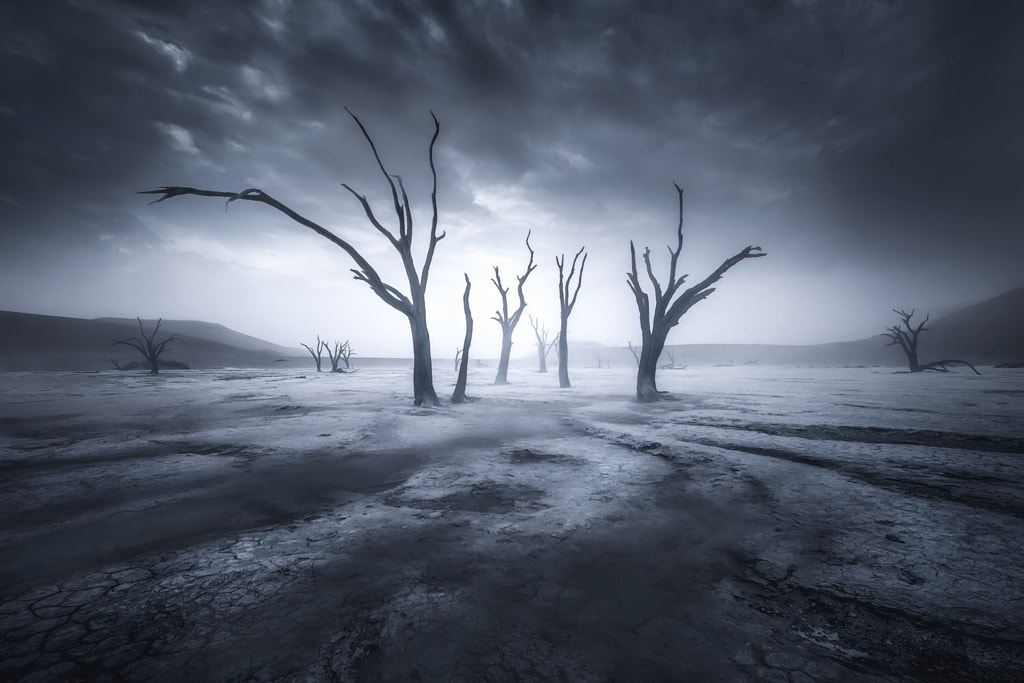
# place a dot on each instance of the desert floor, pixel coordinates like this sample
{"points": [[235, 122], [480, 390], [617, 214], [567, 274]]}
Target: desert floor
{"points": [[777, 524]]}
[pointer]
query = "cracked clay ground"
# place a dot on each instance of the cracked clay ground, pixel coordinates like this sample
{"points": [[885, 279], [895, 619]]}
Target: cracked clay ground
{"points": [[775, 524]]}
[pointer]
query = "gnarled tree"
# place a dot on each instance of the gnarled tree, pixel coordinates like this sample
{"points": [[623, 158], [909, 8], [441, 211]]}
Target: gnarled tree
{"points": [[509, 321], [669, 305], [566, 304], [341, 353], [317, 353], [147, 345], [906, 338], [459, 395], [412, 305], [543, 345]]}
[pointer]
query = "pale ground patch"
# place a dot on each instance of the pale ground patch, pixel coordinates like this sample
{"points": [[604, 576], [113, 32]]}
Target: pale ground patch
{"points": [[770, 524]]}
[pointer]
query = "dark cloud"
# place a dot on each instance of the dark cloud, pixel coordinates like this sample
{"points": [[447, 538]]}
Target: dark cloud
{"points": [[860, 128]]}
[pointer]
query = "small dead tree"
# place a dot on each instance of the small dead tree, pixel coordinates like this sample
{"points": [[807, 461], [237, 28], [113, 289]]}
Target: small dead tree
{"points": [[413, 305], [669, 305], [459, 396], [635, 351], [543, 345], [906, 338], [509, 321], [147, 345], [341, 353], [318, 353], [566, 304]]}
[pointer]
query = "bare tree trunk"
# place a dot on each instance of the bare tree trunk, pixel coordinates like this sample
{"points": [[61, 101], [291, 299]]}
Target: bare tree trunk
{"points": [[906, 338], [509, 321], [460, 384], [317, 357], [635, 352], [647, 369], [422, 366], [668, 307], [503, 359], [540, 331], [147, 345], [566, 304], [563, 354]]}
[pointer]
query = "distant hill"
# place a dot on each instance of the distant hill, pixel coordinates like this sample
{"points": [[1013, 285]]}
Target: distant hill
{"points": [[45, 342], [987, 333]]}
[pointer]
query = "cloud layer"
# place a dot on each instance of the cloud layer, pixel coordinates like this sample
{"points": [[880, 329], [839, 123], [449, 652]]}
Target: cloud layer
{"points": [[870, 147]]}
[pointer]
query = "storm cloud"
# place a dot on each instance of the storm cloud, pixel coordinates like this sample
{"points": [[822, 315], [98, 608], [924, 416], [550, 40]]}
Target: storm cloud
{"points": [[873, 143]]}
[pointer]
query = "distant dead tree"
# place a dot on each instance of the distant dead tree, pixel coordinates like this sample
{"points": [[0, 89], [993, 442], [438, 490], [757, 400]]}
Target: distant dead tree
{"points": [[341, 353], [459, 396], [655, 325], [413, 305], [905, 337], [318, 353], [635, 351], [566, 304], [458, 358], [147, 345], [543, 345], [509, 321]]}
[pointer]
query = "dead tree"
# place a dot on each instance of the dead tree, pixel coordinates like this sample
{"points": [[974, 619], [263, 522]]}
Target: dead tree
{"points": [[508, 321], [318, 354], [459, 396], [635, 351], [566, 305], [906, 338], [543, 345], [341, 353], [669, 305], [413, 305], [147, 345]]}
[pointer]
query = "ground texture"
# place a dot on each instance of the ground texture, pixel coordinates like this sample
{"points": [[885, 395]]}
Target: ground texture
{"points": [[770, 524]]}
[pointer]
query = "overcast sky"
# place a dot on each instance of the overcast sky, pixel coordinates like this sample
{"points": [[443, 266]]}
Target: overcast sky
{"points": [[873, 149]]}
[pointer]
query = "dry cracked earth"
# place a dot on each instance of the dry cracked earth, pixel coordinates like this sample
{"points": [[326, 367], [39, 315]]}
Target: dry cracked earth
{"points": [[251, 527]]}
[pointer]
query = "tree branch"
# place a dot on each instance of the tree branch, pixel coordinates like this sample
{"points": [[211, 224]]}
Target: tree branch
{"points": [[369, 274]]}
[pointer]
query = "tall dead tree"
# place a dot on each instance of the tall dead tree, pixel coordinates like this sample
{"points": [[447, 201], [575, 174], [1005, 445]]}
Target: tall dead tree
{"points": [[566, 304], [543, 345], [906, 338], [669, 305], [147, 345], [412, 305], [459, 396], [509, 321], [341, 353], [318, 353]]}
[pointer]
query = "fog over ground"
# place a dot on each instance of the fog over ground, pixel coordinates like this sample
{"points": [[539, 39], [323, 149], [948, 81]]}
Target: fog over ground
{"points": [[871, 148]]}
